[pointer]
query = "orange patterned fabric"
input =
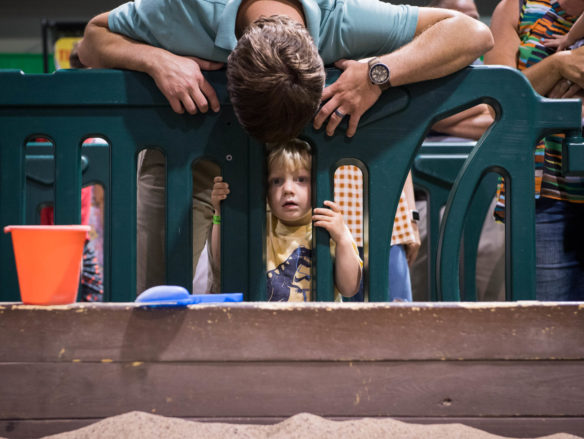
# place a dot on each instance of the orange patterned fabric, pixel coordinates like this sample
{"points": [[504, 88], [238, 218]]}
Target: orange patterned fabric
{"points": [[349, 195]]}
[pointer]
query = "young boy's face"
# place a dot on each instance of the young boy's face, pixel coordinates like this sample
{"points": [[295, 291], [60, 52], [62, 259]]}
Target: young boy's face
{"points": [[289, 194]]}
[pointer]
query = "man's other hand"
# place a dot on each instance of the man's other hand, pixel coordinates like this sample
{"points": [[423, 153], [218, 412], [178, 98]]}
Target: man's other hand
{"points": [[181, 81]]}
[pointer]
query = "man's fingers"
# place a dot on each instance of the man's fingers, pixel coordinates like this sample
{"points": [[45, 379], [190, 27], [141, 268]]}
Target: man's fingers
{"points": [[333, 123], [176, 105], [328, 92], [572, 91], [325, 111], [334, 114], [188, 104], [209, 92], [205, 64], [559, 89], [200, 100], [353, 123]]}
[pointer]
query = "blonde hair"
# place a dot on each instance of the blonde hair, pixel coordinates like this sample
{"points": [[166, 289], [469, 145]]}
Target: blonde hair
{"points": [[292, 155], [275, 79]]}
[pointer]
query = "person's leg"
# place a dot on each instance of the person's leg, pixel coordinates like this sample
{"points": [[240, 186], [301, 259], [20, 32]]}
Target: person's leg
{"points": [[91, 281], [400, 287], [559, 250], [419, 269], [201, 277], [204, 171], [490, 267], [151, 195]]}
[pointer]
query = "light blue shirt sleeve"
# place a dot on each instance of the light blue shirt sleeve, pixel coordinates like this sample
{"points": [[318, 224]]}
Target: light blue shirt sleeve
{"points": [[183, 27], [357, 29]]}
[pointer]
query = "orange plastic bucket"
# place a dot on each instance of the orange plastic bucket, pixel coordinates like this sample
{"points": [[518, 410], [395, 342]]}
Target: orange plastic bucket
{"points": [[48, 262]]}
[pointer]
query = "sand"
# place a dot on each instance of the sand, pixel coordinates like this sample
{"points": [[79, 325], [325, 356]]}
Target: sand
{"points": [[140, 425]]}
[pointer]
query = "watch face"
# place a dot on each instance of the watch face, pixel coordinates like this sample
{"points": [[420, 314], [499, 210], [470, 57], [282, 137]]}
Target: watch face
{"points": [[379, 74]]}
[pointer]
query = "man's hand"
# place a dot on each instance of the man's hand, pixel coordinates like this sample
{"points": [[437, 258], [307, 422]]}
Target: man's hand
{"points": [[564, 89], [571, 65], [179, 78], [219, 193], [181, 81], [350, 95]]}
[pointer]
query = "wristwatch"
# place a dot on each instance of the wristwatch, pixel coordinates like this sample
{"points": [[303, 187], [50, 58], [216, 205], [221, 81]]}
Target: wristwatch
{"points": [[379, 73]]}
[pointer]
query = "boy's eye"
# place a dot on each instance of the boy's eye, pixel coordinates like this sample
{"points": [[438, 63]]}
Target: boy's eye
{"points": [[302, 179], [276, 181]]}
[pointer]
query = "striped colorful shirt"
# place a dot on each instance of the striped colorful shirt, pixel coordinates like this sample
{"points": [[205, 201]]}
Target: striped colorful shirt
{"points": [[540, 19]]}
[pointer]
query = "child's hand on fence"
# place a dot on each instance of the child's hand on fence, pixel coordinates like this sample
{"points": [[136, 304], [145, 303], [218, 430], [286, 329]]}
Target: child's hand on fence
{"points": [[219, 193], [331, 220]]}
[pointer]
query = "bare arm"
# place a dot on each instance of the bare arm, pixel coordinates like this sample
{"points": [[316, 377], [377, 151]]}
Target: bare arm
{"points": [[179, 78], [470, 124], [561, 42], [544, 75], [411, 248], [576, 32], [504, 24], [218, 194], [437, 50], [347, 264]]}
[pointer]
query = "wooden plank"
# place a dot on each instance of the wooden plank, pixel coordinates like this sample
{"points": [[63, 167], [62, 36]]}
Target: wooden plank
{"points": [[309, 332], [509, 427], [248, 389], [35, 428]]}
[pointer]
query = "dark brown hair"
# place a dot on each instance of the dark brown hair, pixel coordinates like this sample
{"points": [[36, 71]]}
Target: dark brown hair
{"points": [[275, 78]]}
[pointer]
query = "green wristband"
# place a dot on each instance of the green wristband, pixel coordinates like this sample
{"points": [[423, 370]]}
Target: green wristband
{"points": [[216, 219]]}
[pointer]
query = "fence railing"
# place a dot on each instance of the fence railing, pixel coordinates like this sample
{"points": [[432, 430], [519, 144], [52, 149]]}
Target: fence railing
{"points": [[130, 114], [435, 169]]}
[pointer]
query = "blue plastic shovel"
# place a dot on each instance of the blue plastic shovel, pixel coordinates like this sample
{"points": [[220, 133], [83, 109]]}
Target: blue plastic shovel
{"points": [[176, 296]]}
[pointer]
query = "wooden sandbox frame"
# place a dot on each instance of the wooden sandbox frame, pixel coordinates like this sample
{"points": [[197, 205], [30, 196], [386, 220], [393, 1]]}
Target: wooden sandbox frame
{"points": [[510, 369]]}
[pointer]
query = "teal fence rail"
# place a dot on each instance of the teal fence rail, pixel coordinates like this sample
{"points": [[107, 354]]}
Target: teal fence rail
{"points": [[127, 110], [435, 169]]}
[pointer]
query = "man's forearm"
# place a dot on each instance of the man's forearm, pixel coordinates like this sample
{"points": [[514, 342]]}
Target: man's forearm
{"points": [[101, 48], [469, 124], [439, 50]]}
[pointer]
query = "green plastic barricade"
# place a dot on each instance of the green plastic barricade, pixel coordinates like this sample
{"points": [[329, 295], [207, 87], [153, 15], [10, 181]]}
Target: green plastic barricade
{"points": [[435, 169], [40, 181], [127, 110]]}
